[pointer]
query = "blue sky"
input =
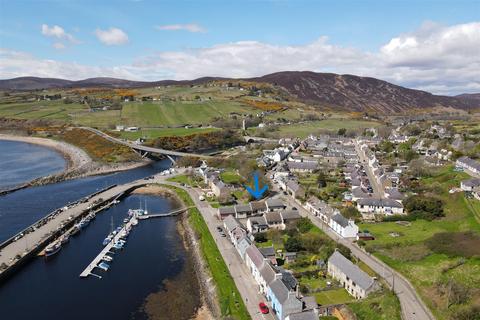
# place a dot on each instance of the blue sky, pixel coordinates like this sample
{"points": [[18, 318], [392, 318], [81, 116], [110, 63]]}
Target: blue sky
{"points": [[362, 27]]}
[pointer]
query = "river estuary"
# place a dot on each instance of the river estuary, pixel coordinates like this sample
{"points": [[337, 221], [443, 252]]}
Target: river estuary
{"points": [[52, 289]]}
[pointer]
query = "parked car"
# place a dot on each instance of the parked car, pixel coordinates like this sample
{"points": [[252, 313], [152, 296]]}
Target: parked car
{"points": [[219, 229], [263, 308]]}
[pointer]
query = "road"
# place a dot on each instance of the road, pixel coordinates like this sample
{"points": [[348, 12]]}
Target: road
{"points": [[413, 308], [145, 148], [244, 280], [378, 190]]}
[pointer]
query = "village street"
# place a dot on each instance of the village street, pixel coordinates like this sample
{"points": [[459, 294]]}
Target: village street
{"points": [[378, 190], [244, 281]]}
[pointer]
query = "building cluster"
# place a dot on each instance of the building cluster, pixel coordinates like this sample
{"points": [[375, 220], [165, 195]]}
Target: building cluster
{"points": [[211, 177], [270, 157], [472, 167], [330, 150], [278, 285], [344, 227]]}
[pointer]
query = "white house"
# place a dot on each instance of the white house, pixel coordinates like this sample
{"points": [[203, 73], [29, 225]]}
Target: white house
{"points": [[343, 226], [358, 283], [470, 184], [469, 164], [380, 206]]}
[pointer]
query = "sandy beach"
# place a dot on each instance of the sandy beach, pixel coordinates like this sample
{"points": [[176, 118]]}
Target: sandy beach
{"points": [[79, 163]]}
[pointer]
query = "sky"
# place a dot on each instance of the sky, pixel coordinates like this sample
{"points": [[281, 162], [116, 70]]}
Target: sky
{"points": [[422, 44]]}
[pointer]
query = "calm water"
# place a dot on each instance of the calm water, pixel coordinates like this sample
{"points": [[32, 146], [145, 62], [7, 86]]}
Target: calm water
{"points": [[21, 162], [53, 290]]}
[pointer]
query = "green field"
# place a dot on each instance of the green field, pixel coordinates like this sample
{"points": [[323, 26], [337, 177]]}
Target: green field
{"points": [[47, 110], [178, 113], [408, 253], [383, 305], [335, 296], [302, 130], [231, 303], [167, 132]]}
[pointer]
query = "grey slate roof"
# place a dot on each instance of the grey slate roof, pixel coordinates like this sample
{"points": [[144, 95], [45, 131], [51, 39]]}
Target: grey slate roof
{"points": [[267, 251], [293, 165], [258, 220], [293, 185], [243, 208], [268, 273], [306, 315], [242, 246], [255, 255], [274, 203], [226, 210], [290, 214], [352, 271], [231, 223], [471, 182], [258, 206], [279, 290], [273, 217], [380, 202], [341, 220]]}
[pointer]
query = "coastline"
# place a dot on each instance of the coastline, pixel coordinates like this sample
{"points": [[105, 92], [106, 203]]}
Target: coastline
{"points": [[79, 163], [208, 308]]}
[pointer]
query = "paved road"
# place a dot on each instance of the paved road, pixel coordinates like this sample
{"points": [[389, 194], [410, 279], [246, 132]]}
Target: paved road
{"points": [[244, 280], [145, 148], [413, 308], [378, 190]]}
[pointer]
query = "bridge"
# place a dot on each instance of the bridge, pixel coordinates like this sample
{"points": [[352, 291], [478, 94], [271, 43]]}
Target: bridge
{"points": [[250, 139], [145, 150]]}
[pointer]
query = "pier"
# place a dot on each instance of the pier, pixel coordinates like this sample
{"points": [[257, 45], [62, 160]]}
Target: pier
{"points": [[161, 215], [26, 244], [88, 270]]}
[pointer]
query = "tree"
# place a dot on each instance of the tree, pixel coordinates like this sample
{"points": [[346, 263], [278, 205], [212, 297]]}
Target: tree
{"points": [[351, 212], [424, 207], [344, 251], [293, 244], [304, 225], [321, 180], [260, 237], [342, 131]]}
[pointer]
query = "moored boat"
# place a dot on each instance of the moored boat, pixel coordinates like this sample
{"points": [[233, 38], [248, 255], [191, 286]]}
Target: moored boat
{"points": [[53, 248]]}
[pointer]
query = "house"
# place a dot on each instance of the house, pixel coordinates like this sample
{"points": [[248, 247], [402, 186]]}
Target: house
{"points": [[257, 224], [243, 211], [394, 194], [258, 207], [289, 257], [234, 229], [254, 261], [219, 188], [469, 164], [284, 301], [268, 274], [224, 212], [302, 167], [274, 204], [274, 220], [379, 206], [305, 315], [320, 209], [470, 184], [132, 129], [242, 246], [276, 155], [289, 217], [295, 189], [358, 283], [269, 253], [343, 226]]}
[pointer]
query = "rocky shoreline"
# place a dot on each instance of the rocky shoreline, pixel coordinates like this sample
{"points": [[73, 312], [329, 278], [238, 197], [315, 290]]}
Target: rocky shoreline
{"points": [[207, 307]]}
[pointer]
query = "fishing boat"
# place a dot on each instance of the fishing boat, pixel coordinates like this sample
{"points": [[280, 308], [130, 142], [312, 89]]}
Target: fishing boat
{"points": [[134, 222], [107, 258], [74, 231], [64, 239], [104, 266], [53, 248], [107, 240]]}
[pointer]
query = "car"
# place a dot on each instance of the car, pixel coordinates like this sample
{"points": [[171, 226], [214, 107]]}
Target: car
{"points": [[263, 308], [219, 229]]}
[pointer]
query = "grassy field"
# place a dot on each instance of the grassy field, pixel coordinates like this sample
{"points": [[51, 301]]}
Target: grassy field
{"points": [[427, 270], [302, 130], [179, 113], [335, 296], [231, 304], [230, 177], [47, 110], [167, 132], [382, 305]]}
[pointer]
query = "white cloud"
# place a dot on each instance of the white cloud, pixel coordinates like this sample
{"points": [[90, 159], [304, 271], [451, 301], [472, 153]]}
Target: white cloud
{"points": [[112, 36], [58, 45], [439, 59], [190, 27], [60, 34]]}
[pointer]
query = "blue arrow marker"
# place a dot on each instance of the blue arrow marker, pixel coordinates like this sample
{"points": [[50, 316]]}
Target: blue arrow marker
{"points": [[256, 192]]}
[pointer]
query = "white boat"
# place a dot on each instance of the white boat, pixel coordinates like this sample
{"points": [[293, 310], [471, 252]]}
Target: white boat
{"points": [[53, 248], [134, 222]]}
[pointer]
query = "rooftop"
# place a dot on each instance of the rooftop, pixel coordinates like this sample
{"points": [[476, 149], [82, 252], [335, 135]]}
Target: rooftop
{"points": [[352, 271]]}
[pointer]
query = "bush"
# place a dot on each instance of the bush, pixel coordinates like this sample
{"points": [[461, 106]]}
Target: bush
{"points": [[304, 225], [260, 237], [293, 244], [455, 244], [423, 207]]}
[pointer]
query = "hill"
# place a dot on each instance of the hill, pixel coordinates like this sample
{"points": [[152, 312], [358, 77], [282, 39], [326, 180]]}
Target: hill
{"points": [[328, 90]]}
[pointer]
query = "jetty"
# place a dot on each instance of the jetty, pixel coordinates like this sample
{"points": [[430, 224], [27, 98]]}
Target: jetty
{"points": [[98, 259], [161, 215]]}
